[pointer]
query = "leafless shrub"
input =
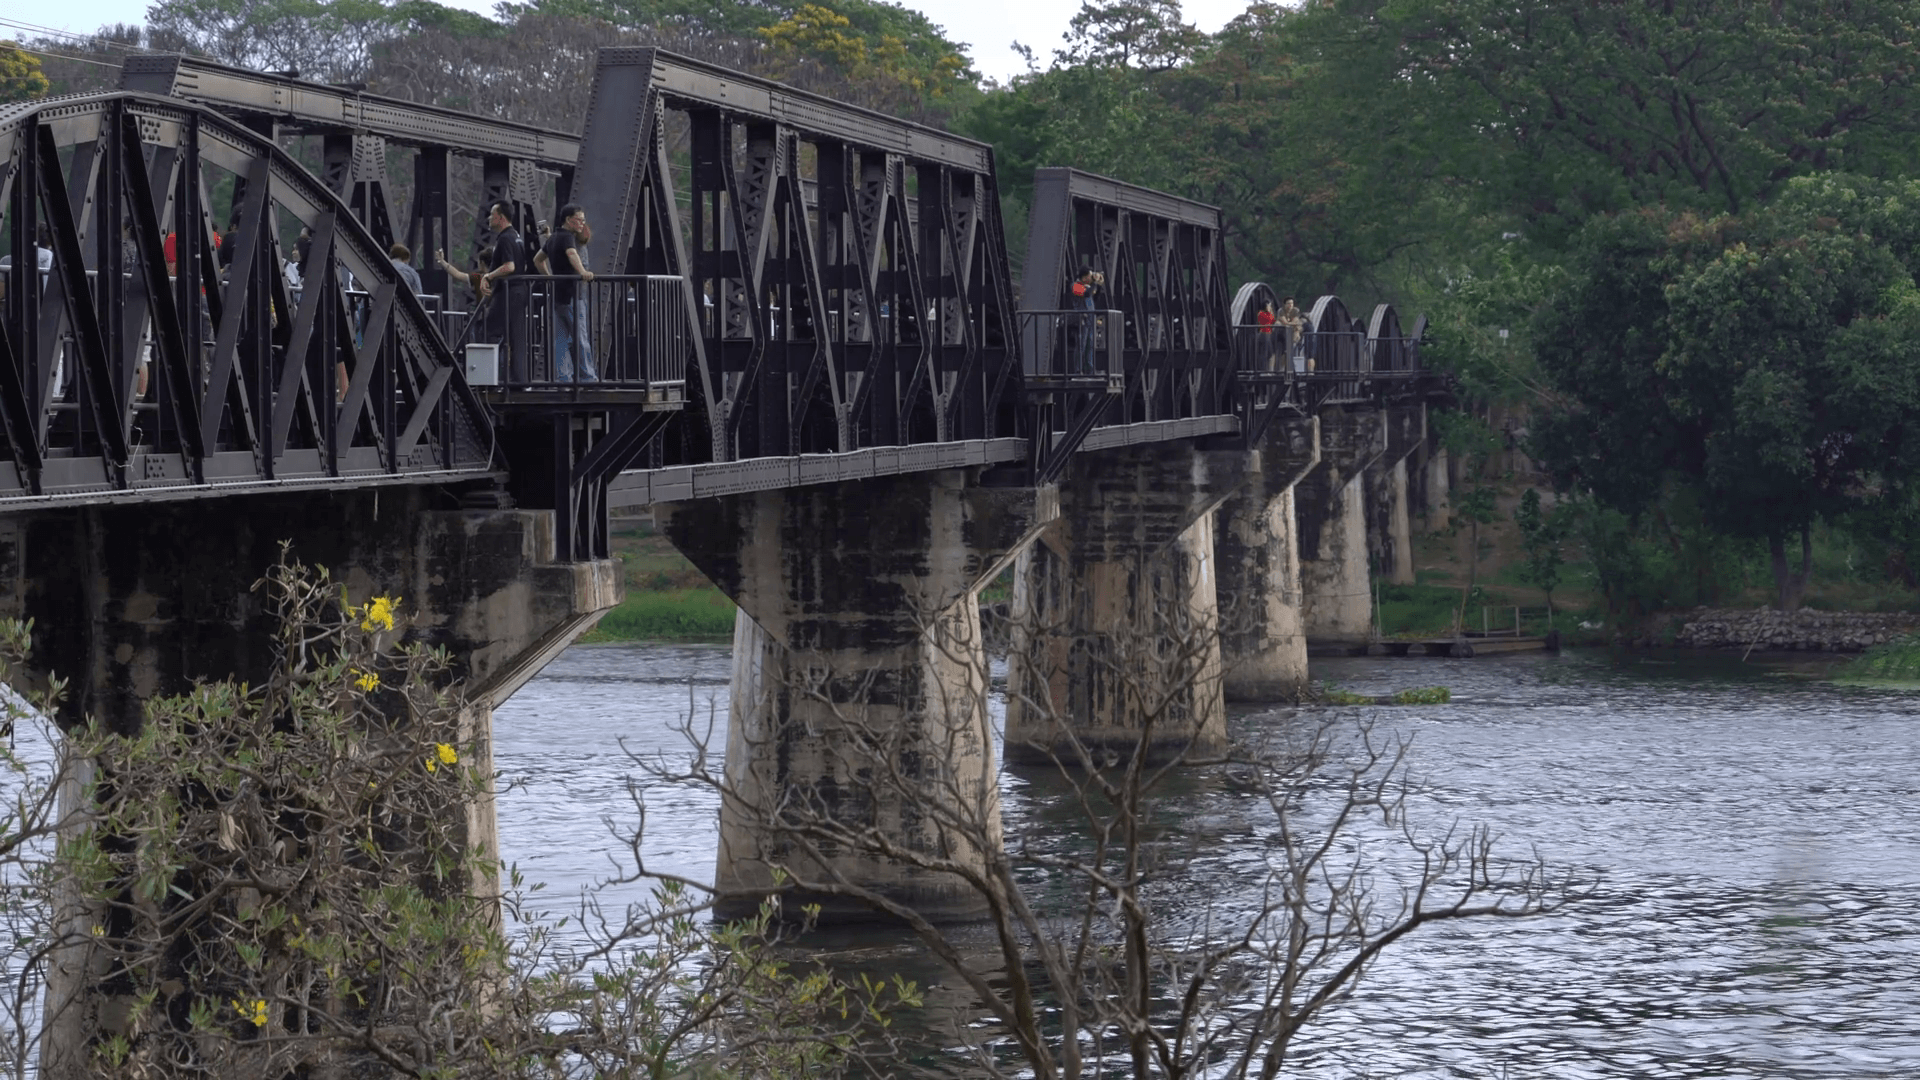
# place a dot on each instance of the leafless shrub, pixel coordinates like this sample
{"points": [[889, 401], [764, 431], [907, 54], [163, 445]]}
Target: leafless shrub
{"points": [[1096, 978]]}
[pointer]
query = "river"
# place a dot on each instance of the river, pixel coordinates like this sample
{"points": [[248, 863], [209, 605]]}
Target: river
{"points": [[1755, 836]]}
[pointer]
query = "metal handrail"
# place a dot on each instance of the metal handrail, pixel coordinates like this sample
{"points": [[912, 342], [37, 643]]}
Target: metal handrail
{"points": [[1074, 345], [621, 331]]}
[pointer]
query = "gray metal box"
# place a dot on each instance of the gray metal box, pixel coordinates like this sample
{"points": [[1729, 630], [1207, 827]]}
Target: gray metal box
{"points": [[483, 365]]}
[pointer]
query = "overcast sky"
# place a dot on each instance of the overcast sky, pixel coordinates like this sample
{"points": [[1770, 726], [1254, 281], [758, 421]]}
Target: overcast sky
{"points": [[989, 27]]}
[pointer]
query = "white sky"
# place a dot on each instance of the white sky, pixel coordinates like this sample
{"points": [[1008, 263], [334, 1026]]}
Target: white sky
{"points": [[988, 26]]}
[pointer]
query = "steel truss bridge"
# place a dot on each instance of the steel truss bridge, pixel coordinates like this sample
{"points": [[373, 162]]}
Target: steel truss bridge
{"points": [[790, 290]]}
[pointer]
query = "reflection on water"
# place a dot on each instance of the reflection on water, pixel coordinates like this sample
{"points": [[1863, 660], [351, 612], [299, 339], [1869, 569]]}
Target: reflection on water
{"points": [[1757, 840]]}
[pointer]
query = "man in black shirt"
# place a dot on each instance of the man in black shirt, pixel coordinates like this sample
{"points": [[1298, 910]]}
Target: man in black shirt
{"points": [[230, 243], [572, 350], [507, 257]]}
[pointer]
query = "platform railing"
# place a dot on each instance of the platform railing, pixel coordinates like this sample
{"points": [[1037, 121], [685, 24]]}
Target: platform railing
{"points": [[618, 332], [1072, 349]]}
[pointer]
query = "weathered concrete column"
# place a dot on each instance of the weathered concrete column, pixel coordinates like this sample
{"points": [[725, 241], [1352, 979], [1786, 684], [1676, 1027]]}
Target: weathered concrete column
{"points": [[1263, 645], [1329, 506], [1389, 521], [1438, 504], [859, 678], [136, 602], [1115, 613]]}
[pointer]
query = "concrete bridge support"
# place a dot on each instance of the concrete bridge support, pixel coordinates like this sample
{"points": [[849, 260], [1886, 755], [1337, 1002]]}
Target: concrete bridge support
{"points": [[136, 602], [859, 680], [1263, 645], [1115, 612], [1437, 498], [1330, 511], [1389, 509]]}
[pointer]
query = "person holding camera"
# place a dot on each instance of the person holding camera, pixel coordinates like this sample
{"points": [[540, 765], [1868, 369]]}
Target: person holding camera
{"points": [[1086, 288]]}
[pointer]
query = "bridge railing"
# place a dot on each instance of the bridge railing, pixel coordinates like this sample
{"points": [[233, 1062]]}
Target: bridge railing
{"points": [[617, 332], [1263, 350], [1072, 349]]}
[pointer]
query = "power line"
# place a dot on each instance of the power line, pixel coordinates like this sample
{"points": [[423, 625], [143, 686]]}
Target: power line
{"points": [[85, 39], [64, 56]]}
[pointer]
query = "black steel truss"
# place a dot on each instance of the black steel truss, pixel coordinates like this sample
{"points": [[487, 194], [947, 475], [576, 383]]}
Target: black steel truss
{"points": [[845, 273], [118, 380], [358, 129], [848, 269], [1163, 263]]}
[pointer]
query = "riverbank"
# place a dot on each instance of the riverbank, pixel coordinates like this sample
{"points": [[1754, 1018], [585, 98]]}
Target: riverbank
{"points": [[667, 599]]}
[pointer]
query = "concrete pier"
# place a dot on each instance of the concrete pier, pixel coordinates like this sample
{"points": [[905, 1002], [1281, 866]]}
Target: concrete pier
{"points": [[1263, 643], [1330, 509], [1115, 612], [858, 701], [1389, 513]]}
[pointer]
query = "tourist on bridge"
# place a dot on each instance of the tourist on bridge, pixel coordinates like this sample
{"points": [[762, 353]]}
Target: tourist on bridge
{"points": [[1086, 288], [1264, 319], [508, 257], [560, 257], [402, 258], [1295, 323], [42, 255]]}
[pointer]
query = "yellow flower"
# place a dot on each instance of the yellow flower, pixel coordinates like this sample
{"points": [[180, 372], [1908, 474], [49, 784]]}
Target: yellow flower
{"points": [[257, 1015], [433, 763], [447, 756], [366, 680], [379, 614]]}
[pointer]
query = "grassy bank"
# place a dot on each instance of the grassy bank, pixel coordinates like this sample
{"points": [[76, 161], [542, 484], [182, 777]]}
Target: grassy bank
{"points": [[667, 599], [703, 614], [1896, 661]]}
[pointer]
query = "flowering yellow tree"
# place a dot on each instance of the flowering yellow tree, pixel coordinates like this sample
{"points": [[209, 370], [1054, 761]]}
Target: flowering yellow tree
{"points": [[20, 76], [874, 58]]}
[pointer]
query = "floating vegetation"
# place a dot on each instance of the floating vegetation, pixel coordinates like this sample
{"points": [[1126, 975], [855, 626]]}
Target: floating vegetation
{"points": [[1425, 695]]}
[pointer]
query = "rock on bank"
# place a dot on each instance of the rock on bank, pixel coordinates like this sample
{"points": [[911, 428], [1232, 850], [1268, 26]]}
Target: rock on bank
{"points": [[1807, 631]]}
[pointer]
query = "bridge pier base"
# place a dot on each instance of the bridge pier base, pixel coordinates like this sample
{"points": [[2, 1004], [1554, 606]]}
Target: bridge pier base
{"points": [[1263, 646], [859, 696], [1330, 510], [1115, 613], [1389, 517], [1435, 499], [135, 602]]}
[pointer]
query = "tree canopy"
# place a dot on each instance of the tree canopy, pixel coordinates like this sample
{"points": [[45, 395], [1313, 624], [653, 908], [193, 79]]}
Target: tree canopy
{"points": [[1771, 361]]}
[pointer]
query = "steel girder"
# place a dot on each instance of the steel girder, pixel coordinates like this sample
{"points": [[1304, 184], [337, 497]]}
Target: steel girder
{"points": [[240, 380], [359, 127], [1165, 272], [849, 269]]}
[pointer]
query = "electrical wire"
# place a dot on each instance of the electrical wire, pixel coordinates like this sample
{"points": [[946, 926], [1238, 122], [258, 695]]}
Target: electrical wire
{"points": [[85, 39], [64, 56]]}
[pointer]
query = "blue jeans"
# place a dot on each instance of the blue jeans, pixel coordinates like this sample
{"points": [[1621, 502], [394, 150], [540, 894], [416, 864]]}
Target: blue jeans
{"points": [[570, 342]]}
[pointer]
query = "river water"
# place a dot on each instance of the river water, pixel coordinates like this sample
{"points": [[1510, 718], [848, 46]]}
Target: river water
{"points": [[1755, 836]]}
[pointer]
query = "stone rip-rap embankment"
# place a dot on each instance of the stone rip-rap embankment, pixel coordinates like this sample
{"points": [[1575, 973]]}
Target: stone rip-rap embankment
{"points": [[1806, 631]]}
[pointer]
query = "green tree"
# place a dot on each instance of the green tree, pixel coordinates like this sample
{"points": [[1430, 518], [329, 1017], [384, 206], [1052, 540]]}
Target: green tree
{"points": [[1713, 104], [20, 75], [1771, 361], [1541, 534]]}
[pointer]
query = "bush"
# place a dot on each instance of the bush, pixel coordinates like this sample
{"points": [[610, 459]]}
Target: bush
{"points": [[293, 879], [1897, 660]]}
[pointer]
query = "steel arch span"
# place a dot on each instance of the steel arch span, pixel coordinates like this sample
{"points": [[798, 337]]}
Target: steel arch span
{"points": [[127, 374]]}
